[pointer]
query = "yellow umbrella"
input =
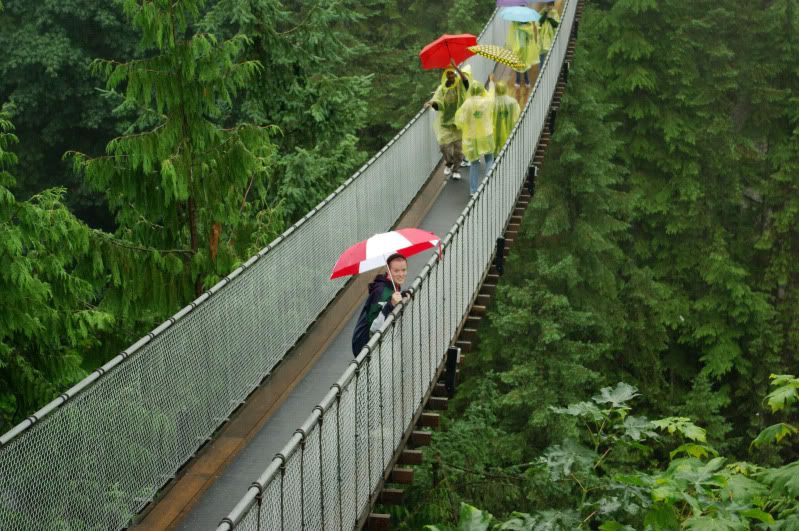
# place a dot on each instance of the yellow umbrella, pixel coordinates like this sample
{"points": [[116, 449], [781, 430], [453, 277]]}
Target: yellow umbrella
{"points": [[500, 55]]}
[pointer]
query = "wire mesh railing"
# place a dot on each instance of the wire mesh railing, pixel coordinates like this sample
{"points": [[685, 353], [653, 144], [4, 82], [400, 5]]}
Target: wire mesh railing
{"points": [[330, 471], [96, 455]]}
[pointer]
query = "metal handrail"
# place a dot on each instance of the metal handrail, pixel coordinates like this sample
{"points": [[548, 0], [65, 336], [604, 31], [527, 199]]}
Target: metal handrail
{"points": [[539, 102]]}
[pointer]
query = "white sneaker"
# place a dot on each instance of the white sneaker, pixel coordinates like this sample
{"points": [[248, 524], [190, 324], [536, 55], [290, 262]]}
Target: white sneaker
{"points": [[456, 175], [447, 171], [464, 163]]}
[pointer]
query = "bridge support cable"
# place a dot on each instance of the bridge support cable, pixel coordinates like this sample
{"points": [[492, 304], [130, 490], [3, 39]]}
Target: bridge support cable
{"points": [[417, 334]]}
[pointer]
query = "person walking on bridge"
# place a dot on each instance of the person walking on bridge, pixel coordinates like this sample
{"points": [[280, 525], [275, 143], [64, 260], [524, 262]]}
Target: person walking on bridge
{"points": [[506, 113], [475, 119], [384, 294], [446, 101], [547, 25], [523, 41]]}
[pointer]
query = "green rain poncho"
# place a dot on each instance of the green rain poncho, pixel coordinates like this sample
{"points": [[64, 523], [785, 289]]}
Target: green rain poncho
{"points": [[506, 113], [522, 40], [475, 119], [546, 28], [448, 99]]}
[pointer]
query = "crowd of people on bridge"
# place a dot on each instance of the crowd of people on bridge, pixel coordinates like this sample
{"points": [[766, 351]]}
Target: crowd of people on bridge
{"points": [[472, 123]]}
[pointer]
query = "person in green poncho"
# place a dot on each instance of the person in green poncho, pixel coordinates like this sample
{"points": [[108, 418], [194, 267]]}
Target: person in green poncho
{"points": [[475, 119], [506, 113], [447, 99], [547, 26], [523, 41]]}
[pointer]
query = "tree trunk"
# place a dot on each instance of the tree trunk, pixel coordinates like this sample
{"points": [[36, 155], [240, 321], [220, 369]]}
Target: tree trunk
{"points": [[195, 242]]}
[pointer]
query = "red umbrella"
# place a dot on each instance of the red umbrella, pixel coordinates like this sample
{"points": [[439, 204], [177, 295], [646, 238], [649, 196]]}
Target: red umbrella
{"points": [[441, 51], [372, 253]]}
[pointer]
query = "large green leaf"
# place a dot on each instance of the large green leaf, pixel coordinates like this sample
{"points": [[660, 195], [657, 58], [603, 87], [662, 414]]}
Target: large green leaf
{"points": [[568, 458], [742, 489], [774, 434], [783, 395], [617, 396], [473, 519], [757, 514], [580, 409], [661, 516], [639, 428], [681, 425], [784, 481], [699, 451], [713, 523]]}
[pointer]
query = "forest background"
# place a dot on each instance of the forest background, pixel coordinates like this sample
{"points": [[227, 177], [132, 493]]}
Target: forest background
{"points": [[295, 96], [627, 373]]}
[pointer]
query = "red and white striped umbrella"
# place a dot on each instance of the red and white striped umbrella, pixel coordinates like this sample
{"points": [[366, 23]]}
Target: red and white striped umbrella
{"points": [[372, 253]]}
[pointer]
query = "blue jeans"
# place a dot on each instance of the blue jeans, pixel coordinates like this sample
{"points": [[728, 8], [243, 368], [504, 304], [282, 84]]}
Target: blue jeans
{"points": [[541, 56], [474, 171], [526, 77]]}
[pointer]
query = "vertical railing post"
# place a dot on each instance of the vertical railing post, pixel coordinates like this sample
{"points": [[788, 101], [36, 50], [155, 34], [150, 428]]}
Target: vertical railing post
{"points": [[321, 467], [338, 456], [452, 367], [302, 476], [532, 175], [499, 260], [551, 121]]}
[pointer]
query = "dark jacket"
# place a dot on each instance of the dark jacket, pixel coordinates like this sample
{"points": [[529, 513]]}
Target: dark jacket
{"points": [[375, 310]]}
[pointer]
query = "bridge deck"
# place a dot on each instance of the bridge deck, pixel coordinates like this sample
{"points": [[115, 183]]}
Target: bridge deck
{"points": [[230, 482]]}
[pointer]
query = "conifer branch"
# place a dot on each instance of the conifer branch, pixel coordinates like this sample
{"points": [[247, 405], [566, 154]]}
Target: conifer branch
{"points": [[133, 247], [305, 21]]}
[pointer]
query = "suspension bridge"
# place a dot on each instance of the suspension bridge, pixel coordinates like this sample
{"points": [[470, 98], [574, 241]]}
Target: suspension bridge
{"points": [[246, 409]]}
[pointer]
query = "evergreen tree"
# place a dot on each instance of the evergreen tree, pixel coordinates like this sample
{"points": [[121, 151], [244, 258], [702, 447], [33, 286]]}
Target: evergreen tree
{"points": [[308, 92], [45, 72], [46, 291], [771, 120], [187, 190], [674, 78], [560, 314]]}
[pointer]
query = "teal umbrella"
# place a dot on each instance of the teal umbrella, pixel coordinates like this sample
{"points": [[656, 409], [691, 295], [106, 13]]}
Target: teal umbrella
{"points": [[520, 14]]}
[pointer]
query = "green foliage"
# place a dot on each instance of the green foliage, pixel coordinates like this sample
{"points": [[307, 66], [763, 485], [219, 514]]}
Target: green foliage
{"points": [[186, 190], [309, 93], [780, 399], [682, 426], [49, 313], [659, 249], [45, 72], [786, 393], [611, 482]]}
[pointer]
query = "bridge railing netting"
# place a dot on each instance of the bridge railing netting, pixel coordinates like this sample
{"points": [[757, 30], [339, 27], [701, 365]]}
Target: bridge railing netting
{"points": [[330, 470], [98, 454]]}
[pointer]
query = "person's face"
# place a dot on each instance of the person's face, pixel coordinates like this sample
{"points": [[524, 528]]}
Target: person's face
{"points": [[399, 270], [450, 76]]}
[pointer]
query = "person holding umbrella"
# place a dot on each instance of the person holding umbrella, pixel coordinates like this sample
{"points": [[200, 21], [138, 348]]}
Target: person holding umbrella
{"points": [[475, 119], [384, 294], [389, 250], [447, 99], [522, 39]]}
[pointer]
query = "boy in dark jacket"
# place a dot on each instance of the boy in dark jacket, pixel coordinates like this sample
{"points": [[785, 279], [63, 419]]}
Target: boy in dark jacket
{"points": [[384, 294]]}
